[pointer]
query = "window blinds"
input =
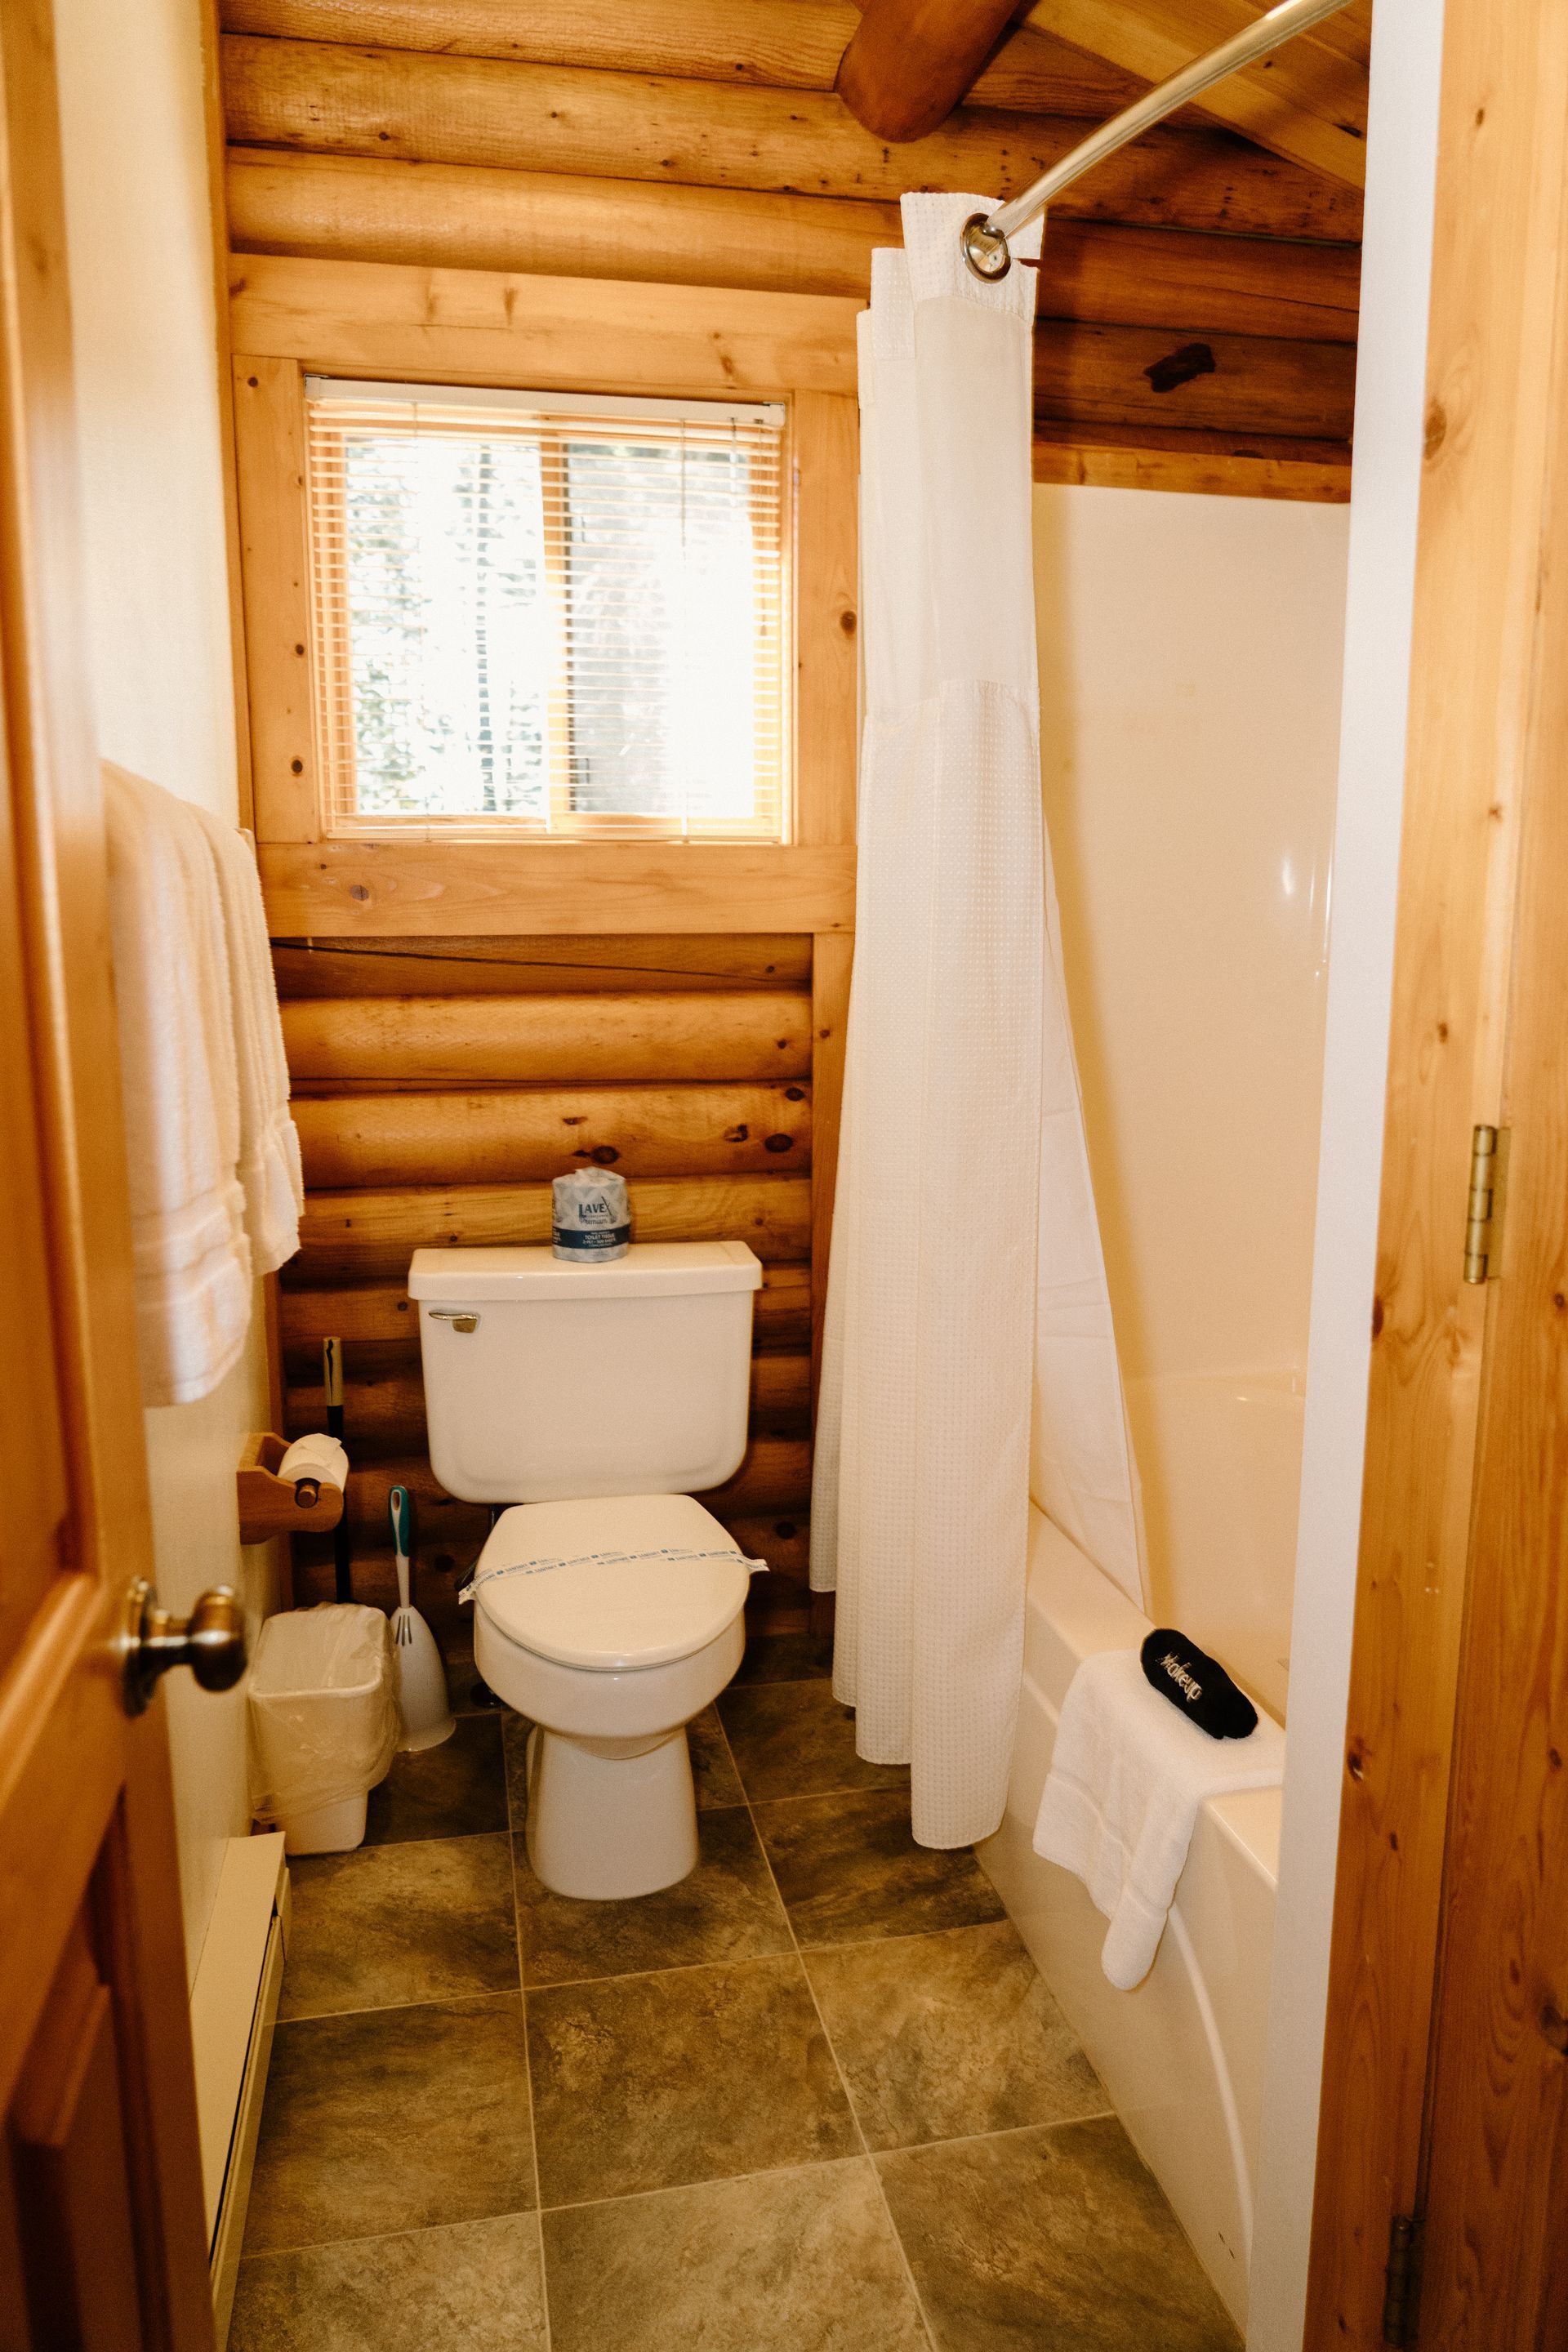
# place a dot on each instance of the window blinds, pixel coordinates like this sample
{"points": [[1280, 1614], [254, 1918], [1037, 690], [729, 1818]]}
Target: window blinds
{"points": [[559, 613]]}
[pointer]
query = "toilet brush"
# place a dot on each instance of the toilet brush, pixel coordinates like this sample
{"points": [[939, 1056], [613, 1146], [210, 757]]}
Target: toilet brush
{"points": [[421, 1676]]}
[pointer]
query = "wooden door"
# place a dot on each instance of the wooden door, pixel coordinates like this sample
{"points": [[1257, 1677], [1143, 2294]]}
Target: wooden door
{"points": [[1494, 2203], [1441, 2212], [103, 2233]]}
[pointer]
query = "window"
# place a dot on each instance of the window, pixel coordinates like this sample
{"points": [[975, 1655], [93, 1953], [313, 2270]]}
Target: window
{"points": [[561, 616]]}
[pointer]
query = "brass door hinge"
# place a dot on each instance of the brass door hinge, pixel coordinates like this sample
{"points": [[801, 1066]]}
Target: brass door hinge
{"points": [[1399, 2297], [1483, 1215]]}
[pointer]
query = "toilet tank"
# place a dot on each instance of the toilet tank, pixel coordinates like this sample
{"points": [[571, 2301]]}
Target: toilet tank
{"points": [[547, 1381]]}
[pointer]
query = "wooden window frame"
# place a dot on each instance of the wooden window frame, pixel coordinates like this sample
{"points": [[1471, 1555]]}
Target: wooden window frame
{"points": [[292, 318]]}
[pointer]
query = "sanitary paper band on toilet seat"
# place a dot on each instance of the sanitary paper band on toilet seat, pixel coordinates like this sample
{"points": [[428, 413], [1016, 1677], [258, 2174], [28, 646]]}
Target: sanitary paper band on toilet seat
{"points": [[541, 1566]]}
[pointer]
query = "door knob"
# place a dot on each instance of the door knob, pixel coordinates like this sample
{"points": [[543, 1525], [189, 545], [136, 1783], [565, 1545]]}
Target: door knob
{"points": [[210, 1641]]}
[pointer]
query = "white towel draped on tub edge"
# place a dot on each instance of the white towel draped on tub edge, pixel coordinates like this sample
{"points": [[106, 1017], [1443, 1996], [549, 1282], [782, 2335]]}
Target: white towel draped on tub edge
{"points": [[1122, 1798], [212, 1155]]}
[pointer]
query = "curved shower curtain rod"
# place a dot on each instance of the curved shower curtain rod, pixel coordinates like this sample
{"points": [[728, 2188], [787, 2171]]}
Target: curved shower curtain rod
{"points": [[984, 239]]}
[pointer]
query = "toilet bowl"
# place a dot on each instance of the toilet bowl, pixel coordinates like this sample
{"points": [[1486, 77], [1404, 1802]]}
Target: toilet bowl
{"points": [[595, 1401], [609, 1625]]}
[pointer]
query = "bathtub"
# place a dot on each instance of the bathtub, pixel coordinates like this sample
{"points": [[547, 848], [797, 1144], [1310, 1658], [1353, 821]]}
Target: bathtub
{"points": [[1182, 2056]]}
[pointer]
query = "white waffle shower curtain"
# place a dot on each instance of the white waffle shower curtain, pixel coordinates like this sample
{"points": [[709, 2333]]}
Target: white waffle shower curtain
{"points": [[967, 1304]]}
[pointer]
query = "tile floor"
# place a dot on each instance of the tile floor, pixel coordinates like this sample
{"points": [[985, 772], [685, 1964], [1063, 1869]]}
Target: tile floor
{"points": [[815, 2099]]}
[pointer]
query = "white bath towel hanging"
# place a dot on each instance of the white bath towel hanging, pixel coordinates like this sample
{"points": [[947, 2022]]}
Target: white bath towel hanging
{"points": [[1122, 1798], [270, 1171], [190, 1256], [968, 1343]]}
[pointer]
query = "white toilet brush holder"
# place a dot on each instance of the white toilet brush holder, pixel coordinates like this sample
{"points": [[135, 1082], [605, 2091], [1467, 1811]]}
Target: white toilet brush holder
{"points": [[422, 1696]]}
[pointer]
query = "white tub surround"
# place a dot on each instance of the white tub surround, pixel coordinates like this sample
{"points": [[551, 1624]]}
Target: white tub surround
{"points": [[966, 1270], [1182, 2056]]}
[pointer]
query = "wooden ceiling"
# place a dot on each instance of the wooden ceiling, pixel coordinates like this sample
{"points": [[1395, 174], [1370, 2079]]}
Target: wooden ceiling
{"points": [[1197, 302]]}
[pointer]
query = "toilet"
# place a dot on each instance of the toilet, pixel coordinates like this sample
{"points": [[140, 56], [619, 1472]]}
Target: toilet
{"points": [[593, 1402]]}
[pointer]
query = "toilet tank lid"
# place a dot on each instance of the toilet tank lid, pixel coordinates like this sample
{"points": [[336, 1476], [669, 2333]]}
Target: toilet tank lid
{"points": [[648, 1270]]}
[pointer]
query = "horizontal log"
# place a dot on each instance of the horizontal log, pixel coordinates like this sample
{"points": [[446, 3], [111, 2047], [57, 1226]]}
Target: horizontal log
{"points": [[440, 1570], [793, 44], [1213, 465], [327, 99], [504, 1138], [544, 1040], [379, 1328], [441, 1523], [384, 1414], [539, 967], [783, 1542], [780, 1310], [367, 1237], [376, 890], [459, 217], [781, 1395], [1235, 384], [776, 1476]]}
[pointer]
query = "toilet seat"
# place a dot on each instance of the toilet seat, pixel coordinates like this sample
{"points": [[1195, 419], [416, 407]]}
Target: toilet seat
{"points": [[622, 1583]]}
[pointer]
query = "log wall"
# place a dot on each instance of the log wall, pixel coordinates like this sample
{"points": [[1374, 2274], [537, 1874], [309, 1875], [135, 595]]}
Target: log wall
{"points": [[440, 1085], [1197, 299]]}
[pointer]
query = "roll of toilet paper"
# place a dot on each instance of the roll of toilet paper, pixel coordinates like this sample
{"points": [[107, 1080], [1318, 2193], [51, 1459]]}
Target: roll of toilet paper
{"points": [[592, 1215], [317, 1456]]}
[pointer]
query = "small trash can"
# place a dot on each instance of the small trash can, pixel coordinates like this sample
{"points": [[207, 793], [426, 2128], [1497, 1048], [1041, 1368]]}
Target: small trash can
{"points": [[324, 1724]]}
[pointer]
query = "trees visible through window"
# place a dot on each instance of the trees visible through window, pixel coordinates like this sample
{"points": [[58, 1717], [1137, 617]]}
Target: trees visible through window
{"points": [[569, 618]]}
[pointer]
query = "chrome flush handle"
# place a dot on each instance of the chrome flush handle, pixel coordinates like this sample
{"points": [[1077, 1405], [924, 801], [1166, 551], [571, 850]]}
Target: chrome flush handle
{"points": [[210, 1641], [458, 1321]]}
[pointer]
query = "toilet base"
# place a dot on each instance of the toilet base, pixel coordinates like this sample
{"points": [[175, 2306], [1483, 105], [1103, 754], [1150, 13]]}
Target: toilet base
{"points": [[608, 1818]]}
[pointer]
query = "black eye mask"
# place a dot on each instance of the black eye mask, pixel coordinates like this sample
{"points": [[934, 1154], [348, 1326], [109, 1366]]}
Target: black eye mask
{"points": [[1197, 1686]]}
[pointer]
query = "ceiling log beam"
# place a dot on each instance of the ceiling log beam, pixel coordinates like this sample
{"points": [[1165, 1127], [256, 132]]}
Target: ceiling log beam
{"points": [[459, 217], [785, 45], [1307, 102], [911, 62], [319, 98]]}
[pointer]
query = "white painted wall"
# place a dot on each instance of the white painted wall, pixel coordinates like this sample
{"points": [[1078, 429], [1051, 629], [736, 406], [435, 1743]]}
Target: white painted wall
{"points": [[1190, 654], [143, 297], [1390, 393]]}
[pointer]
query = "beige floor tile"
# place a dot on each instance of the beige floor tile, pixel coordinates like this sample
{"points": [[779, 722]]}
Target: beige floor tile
{"points": [[393, 2119], [1058, 2240], [785, 1658], [476, 2287], [713, 1773], [786, 2261], [515, 1729], [794, 1739], [726, 1910], [940, 2036], [849, 1870], [392, 1923], [649, 2082], [455, 1790]]}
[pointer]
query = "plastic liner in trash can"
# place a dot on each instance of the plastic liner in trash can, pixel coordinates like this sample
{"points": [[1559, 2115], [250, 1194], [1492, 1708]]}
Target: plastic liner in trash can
{"points": [[324, 1724]]}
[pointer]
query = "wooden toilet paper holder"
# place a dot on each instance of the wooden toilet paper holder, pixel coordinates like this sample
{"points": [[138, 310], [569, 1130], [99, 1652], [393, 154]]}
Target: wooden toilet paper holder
{"points": [[271, 1506]]}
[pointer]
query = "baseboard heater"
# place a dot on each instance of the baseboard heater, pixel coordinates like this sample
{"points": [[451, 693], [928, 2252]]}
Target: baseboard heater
{"points": [[234, 2009]]}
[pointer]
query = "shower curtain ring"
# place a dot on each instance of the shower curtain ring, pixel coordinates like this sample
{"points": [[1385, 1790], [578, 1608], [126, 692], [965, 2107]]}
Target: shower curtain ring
{"points": [[986, 249]]}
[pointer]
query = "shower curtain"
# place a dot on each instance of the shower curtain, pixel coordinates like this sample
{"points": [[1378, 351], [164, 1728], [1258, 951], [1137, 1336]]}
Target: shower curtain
{"points": [[968, 1354]]}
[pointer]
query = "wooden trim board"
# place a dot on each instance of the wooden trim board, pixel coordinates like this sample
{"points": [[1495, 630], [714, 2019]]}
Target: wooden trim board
{"points": [[404, 888], [384, 320]]}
